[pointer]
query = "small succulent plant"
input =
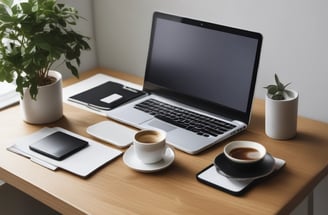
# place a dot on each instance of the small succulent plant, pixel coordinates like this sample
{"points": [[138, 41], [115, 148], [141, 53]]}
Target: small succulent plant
{"points": [[277, 91]]}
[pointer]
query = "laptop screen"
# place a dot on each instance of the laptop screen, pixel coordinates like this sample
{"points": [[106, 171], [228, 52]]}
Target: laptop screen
{"points": [[212, 65]]}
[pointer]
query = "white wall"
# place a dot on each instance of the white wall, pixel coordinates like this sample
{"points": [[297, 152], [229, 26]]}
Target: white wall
{"points": [[85, 27], [295, 39]]}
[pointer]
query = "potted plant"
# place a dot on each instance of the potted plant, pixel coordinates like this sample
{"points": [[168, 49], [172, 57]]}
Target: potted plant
{"points": [[281, 107], [34, 35]]}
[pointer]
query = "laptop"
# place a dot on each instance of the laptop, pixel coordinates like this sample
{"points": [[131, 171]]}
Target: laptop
{"points": [[200, 80]]}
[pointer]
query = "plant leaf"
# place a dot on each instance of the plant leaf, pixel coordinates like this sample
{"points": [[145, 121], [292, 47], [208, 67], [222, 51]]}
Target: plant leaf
{"points": [[287, 85], [27, 7], [272, 89], [279, 84], [5, 17], [9, 3], [73, 69], [278, 97]]}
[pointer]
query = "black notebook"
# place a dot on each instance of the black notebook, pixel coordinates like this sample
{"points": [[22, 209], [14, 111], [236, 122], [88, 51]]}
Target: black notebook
{"points": [[58, 145], [106, 96]]}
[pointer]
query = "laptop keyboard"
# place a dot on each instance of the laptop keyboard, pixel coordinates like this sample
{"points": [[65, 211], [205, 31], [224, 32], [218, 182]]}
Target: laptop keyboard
{"points": [[197, 123]]}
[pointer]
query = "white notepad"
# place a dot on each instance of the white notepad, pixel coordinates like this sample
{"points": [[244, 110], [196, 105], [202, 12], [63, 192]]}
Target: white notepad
{"points": [[8, 94], [81, 163], [113, 133]]}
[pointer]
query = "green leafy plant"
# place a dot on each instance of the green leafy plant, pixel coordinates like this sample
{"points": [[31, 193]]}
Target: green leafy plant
{"points": [[34, 35], [277, 91]]}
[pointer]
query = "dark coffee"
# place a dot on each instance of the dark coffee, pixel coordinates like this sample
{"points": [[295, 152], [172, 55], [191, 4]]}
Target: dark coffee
{"points": [[245, 153]]}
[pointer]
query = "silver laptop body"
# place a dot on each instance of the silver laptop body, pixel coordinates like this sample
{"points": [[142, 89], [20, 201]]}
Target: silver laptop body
{"points": [[201, 67]]}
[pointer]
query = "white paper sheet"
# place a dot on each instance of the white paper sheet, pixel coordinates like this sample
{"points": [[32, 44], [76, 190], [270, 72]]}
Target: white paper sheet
{"points": [[8, 95], [81, 163]]}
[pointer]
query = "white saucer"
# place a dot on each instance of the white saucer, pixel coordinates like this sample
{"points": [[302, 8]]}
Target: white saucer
{"points": [[132, 161]]}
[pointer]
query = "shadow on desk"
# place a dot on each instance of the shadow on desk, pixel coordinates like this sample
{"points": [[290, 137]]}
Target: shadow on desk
{"points": [[307, 137]]}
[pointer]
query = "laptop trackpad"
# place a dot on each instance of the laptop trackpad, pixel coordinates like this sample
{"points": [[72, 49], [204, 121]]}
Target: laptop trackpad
{"points": [[161, 125]]}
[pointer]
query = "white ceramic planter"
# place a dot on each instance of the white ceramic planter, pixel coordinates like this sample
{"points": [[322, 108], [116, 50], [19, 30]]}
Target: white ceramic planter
{"points": [[281, 116], [48, 106]]}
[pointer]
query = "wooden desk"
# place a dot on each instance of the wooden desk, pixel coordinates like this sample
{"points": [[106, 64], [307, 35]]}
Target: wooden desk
{"points": [[116, 189]]}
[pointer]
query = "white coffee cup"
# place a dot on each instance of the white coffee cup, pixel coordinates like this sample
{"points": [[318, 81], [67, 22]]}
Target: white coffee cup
{"points": [[150, 145]]}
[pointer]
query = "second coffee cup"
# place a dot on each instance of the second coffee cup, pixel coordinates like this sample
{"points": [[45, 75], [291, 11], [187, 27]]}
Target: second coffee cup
{"points": [[150, 145]]}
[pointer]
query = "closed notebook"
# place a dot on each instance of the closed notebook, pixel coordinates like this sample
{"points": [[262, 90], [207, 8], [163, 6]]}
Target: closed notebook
{"points": [[58, 145], [106, 96]]}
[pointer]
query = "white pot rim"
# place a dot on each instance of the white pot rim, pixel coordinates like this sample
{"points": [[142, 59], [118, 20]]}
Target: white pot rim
{"points": [[293, 93], [54, 74]]}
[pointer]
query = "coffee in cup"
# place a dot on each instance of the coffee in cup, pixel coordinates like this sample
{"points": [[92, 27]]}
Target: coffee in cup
{"points": [[150, 145], [244, 151]]}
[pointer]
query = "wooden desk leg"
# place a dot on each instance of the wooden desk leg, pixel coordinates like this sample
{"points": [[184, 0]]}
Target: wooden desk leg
{"points": [[310, 204]]}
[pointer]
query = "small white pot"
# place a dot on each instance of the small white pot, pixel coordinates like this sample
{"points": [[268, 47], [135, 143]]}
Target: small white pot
{"points": [[281, 116], [48, 106]]}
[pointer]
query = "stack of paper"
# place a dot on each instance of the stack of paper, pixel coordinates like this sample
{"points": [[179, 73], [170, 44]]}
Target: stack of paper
{"points": [[8, 95], [81, 163]]}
